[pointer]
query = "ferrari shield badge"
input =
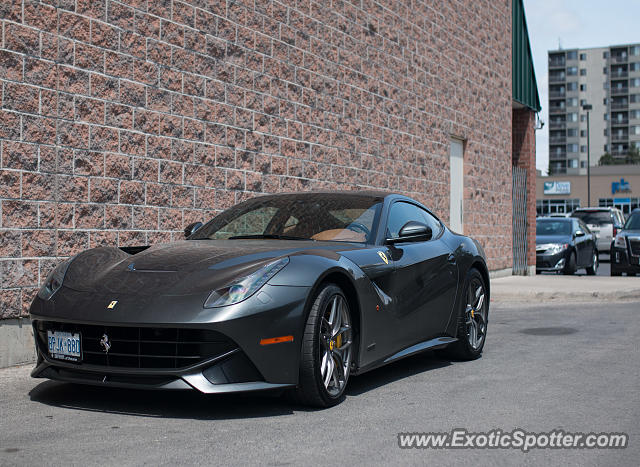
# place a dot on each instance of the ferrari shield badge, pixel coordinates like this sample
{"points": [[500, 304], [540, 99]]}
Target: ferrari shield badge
{"points": [[112, 305], [384, 257]]}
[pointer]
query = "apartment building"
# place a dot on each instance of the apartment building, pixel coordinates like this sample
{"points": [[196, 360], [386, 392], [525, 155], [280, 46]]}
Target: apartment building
{"points": [[594, 106]]}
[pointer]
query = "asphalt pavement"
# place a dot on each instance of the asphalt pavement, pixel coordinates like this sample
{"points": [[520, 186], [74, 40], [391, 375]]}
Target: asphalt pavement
{"points": [[573, 367]]}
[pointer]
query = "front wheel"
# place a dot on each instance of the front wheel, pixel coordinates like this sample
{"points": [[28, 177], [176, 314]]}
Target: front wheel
{"points": [[595, 262], [472, 319], [571, 266], [326, 349]]}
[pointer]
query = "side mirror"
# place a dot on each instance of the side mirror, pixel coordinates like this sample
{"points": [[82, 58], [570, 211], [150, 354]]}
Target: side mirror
{"points": [[413, 231], [191, 229], [579, 233]]}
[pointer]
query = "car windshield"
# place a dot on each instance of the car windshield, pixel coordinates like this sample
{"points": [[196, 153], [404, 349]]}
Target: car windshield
{"points": [[553, 227], [633, 223], [312, 216], [594, 217]]}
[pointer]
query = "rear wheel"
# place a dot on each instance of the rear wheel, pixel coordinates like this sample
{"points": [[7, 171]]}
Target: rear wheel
{"points": [[326, 349], [570, 268], [472, 319], [595, 262]]}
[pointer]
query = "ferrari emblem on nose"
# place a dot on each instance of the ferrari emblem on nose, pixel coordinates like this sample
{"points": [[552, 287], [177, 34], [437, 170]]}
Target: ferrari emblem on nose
{"points": [[384, 257], [112, 305]]}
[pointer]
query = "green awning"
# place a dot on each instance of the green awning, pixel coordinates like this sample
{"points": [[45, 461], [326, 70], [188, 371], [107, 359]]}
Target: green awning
{"points": [[525, 87]]}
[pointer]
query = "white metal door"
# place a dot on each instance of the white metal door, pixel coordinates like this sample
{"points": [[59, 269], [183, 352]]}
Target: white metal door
{"points": [[456, 207]]}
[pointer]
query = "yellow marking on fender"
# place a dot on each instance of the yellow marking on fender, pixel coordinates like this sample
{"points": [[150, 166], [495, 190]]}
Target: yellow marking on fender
{"points": [[112, 305], [384, 257]]}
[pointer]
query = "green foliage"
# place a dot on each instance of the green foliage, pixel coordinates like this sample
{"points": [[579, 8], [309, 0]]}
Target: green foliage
{"points": [[632, 157]]}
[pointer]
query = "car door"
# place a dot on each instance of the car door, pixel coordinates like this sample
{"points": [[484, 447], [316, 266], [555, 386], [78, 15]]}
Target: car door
{"points": [[583, 243], [424, 282]]}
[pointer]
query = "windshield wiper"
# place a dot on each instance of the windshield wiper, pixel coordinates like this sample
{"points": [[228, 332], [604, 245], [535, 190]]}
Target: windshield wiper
{"points": [[267, 236]]}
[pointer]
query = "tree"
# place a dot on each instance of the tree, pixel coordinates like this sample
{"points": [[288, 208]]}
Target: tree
{"points": [[632, 157]]}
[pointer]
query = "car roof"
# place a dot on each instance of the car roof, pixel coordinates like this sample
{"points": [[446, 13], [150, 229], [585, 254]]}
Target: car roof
{"points": [[595, 209], [555, 219]]}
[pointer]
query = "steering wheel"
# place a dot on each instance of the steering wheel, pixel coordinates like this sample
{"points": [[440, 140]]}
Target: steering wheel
{"points": [[359, 228]]}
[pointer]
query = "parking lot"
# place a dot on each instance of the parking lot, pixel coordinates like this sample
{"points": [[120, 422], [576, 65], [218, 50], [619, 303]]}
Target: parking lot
{"points": [[573, 367]]}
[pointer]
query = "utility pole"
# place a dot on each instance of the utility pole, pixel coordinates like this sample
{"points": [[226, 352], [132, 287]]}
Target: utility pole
{"points": [[588, 107]]}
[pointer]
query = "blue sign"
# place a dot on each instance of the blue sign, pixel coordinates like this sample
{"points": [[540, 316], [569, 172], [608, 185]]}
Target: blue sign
{"points": [[620, 187]]}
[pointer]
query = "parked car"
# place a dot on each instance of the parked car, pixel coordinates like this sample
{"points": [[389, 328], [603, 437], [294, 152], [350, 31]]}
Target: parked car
{"points": [[559, 214], [565, 245], [625, 249], [295, 290], [603, 222]]}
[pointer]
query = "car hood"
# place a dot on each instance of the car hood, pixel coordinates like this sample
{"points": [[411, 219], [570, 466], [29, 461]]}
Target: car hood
{"points": [[184, 267], [541, 239]]}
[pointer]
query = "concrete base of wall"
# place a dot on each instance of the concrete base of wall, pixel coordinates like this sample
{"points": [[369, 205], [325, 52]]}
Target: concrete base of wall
{"points": [[16, 342], [500, 273]]}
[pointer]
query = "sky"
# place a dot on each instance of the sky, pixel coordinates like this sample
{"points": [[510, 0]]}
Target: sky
{"points": [[574, 24]]}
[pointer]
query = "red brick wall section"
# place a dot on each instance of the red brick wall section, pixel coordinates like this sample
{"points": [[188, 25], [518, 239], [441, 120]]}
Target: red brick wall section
{"points": [[524, 156], [121, 122]]}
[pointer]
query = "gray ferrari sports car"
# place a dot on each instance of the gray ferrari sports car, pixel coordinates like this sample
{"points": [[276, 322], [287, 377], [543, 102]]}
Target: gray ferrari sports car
{"points": [[295, 291]]}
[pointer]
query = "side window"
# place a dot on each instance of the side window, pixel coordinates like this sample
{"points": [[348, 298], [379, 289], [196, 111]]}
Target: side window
{"points": [[402, 212]]}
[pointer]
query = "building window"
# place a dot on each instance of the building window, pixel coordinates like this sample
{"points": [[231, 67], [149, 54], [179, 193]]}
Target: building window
{"points": [[606, 132], [583, 118], [583, 57], [634, 82], [572, 148], [634, 130], [634, 114], [583, 87], [572, 163], [583, 164], [634, 66], [572, 71], [635, 50], [583, 149], [582, 102], [583, 72], [605, 101], [572, 55], [635, 98], [553, 206], [606, 116], [605, 71], [572, 102], [606, 148], [572, 117], [583, 133], [572, 132], [572, 86], [605, 54]]}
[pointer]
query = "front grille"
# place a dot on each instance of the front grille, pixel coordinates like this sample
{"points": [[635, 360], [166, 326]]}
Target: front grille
{"points": [[635, 247], [142, 347]]}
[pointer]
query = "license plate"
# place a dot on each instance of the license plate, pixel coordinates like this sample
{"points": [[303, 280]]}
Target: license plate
{"points": [[64, 345]]}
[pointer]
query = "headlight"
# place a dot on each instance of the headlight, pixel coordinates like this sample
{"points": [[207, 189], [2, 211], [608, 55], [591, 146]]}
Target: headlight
{"points": [[53, 282], [619, 242], [245, 287], [553, 248]]}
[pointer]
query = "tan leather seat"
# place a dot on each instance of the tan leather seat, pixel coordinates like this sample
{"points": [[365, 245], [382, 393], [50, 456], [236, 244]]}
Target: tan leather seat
{"points": [[344, 235]]}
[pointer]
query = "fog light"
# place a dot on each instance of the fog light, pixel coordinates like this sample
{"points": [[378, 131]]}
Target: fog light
{"points": [[560, 264]]}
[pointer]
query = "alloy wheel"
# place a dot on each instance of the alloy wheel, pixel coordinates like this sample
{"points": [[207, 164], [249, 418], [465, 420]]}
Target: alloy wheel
{"points": [[476, 313], [335, 345]]}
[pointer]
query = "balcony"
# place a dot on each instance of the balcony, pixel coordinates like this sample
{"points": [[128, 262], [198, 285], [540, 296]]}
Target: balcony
{"points": [[558, 139], [619, 122], [617, 152], [557, 78], [557, 109], [557, 155], [619, 59], [619, 91], [557, 94], [557, 125], [619, 74], [619, 105], [620, 138]]}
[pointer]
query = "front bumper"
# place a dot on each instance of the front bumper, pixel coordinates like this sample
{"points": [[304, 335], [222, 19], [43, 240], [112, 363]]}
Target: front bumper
{"points": [[242, 365], [623, 261], [551, 263]]}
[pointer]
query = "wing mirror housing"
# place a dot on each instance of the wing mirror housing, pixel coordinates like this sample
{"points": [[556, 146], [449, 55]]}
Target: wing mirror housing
{"points": [[412, 231], [579, 233], [191, 229]]}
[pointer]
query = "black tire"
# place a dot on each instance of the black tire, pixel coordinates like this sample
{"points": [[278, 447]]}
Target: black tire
{"points": [[311, 389], [595, 262], [615, 273], [462, 349], [570, 267]]}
